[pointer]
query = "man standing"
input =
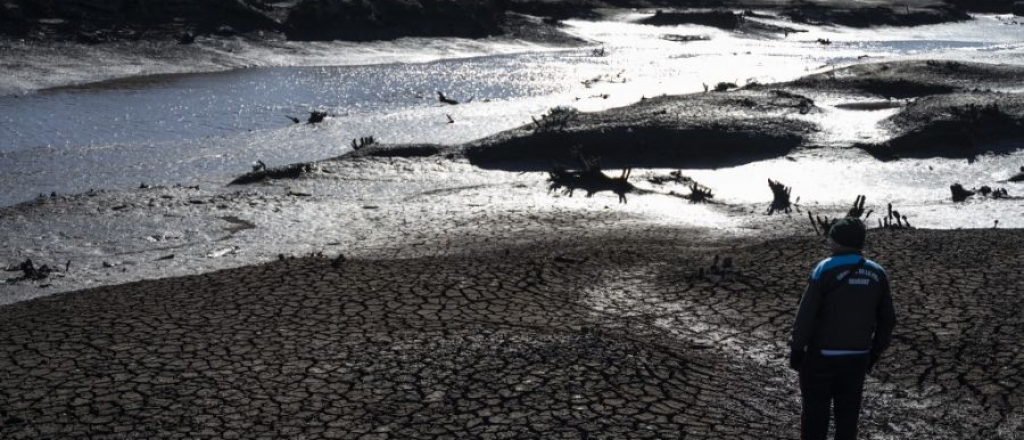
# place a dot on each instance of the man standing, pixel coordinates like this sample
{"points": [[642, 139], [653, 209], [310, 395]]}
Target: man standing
{"points": [[844, 324]]}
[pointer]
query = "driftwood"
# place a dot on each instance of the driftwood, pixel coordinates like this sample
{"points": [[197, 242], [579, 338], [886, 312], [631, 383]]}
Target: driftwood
{"points": [[446, 100], [590, 179], [315, 117], [611, 79], [725, 86], [780, 198], [684, 38], [700, 193], [358, 144], [961, 194], [673, 177], [1019, 177], [556, 119], [998, 193], [823, 224], [804, 104], [894, 220], [29, 271]]}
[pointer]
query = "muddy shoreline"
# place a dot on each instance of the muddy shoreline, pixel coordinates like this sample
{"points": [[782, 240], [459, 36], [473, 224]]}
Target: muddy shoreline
{"points": [[507, 178], [98, 22], [946, 109]]}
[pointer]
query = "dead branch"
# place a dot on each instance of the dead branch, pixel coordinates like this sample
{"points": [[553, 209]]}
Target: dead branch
{"points": [[780, 198], [358, 144], [699, 193], [590, 179], [556, 119]]}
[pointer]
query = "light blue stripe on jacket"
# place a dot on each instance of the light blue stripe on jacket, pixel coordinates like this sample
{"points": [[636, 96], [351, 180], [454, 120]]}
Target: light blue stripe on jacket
{"points": [[838, 260], [843, 352]]}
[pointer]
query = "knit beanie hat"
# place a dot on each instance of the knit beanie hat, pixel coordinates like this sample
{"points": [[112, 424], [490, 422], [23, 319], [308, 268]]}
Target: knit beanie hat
{"points": [[848, 232]]}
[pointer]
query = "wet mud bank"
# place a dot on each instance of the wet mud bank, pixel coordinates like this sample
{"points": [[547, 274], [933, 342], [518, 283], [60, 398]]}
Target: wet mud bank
{"points": [[604, 336], [955, 125], [95, 21], [706, 130], [947, 109], [701, 130], [864, 16], [910, 79]]}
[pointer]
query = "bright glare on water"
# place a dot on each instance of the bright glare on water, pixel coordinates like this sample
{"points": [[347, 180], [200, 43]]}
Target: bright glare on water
{"points": [[206, 127]]}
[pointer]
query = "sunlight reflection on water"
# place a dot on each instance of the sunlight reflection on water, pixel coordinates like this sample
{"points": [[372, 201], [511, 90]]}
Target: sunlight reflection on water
{"points": [[169, 129]]}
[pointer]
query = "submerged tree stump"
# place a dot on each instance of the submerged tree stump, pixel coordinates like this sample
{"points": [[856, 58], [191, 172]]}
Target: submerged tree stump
{"points": [[700, 194], [960, 193], [780, 198], [590, 179], [894, 220]]}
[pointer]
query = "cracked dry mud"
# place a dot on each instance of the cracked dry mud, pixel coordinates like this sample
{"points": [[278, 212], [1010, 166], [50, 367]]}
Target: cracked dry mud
{"points": [[611, 336]]}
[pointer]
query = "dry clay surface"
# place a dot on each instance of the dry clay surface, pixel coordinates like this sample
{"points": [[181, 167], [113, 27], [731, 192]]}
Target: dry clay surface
{"points": [[614, 336]]}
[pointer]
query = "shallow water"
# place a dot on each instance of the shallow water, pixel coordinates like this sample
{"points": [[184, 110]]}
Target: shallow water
{"points": [[208, 127]]}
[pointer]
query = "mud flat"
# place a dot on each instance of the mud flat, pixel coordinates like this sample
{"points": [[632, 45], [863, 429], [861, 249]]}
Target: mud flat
{"points": [[442, 296], [599, 335], [705, 130], [955, 125], [947, 109], [95, 22]]}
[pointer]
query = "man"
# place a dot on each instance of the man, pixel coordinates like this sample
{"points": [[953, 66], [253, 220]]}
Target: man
{"points": [[843, 326]]}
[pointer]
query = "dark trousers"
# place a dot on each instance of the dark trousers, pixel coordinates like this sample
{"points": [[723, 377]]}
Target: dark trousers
{"points": [[831, 382]]}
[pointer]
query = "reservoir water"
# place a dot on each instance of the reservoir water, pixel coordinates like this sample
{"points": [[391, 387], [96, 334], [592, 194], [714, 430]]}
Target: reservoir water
{"points": [[205, 127]]}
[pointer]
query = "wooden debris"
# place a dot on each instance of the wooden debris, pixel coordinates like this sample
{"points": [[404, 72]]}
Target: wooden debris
{"points": [[780, 198], [362, 142], [29, 272], [445, 99], [315, 117], [700, 193], [959, 192], [672, 177], [725, 86], [556, 119], [590, 179], [894, 220], [1019, 177]]}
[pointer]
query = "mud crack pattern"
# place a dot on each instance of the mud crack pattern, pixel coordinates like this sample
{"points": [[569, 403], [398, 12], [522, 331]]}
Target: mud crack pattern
{"points": [[610, 337]]}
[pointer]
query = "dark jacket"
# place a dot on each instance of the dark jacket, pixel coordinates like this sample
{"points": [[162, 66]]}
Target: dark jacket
{"points": [[844, 310]]}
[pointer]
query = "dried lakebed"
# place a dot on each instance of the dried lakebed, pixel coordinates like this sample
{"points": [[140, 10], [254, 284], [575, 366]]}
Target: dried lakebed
{"points": [[470, 303], [596, 335]]}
